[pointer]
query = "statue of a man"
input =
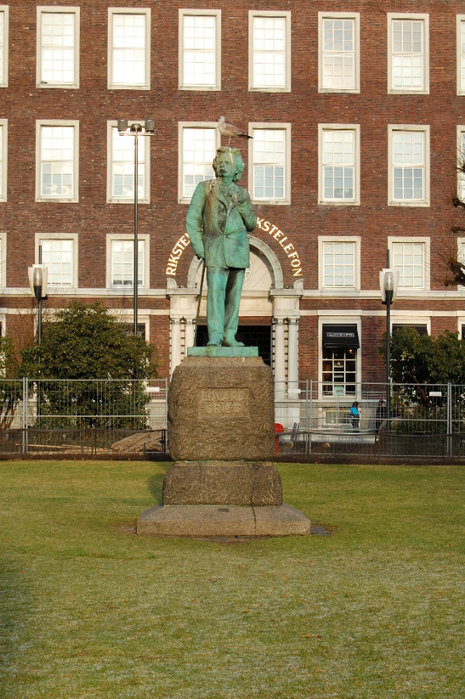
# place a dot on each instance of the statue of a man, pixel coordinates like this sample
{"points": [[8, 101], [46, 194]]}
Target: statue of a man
{"points": [[218, 218]]}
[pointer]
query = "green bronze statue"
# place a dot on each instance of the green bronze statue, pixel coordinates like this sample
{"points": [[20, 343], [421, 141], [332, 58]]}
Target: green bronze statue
{"points": [[218, 218]]}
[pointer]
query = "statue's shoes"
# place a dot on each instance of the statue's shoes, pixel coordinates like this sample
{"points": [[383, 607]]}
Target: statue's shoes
{"points": [[232, 343], [214, 343]]}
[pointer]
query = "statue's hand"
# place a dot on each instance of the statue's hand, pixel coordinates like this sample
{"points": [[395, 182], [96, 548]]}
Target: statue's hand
{"points": [[200, 252]]}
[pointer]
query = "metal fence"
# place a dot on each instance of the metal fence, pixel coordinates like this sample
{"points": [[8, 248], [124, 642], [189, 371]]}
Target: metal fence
{"points": [[313, 420], [423, 421], [83, 416]]}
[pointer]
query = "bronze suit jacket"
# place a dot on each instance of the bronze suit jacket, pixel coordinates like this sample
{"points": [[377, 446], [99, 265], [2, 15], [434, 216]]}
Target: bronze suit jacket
{"points": [[217, 222]]}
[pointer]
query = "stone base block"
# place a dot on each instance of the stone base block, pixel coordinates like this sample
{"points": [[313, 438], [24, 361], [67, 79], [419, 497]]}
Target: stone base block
{"points": [[222, 483], [221, 408], [211, 520]]}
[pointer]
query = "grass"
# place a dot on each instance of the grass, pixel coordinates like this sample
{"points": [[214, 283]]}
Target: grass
{"points": [[87, 609]]}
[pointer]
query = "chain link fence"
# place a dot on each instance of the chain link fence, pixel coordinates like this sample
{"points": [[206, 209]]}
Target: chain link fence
{"points": [[313, 420], [400, 421], [83, 416]]}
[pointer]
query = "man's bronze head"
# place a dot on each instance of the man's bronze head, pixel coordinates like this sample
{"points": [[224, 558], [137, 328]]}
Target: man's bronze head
{"points": [[236, 158]]}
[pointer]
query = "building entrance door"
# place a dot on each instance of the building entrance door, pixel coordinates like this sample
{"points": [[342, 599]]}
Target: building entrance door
{"points": [[251, 335]]}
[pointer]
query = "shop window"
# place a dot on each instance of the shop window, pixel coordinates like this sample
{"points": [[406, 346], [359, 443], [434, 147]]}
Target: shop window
{"points": [[339, 360]]}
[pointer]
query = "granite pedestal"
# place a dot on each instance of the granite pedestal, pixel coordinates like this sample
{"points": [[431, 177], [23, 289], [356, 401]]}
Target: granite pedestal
{"points": [[221, 436]]}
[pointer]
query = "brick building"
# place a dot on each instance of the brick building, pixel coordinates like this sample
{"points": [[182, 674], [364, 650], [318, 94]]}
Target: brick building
{"points": [[357, 115]]}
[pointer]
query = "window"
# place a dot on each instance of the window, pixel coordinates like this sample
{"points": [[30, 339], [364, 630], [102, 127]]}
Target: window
{"points": [[129, 48], [339, 52], [408, 48], [408, 181], [57, 161], [198, 143], [269, 51], [2, 261], [339, 164], [120, 166], [199, 50], [339, 263], [340, 343], [58, 47], [4, 45], [410, 257], [461, 54], [3, 158], [120, 258], [58, 252], [461, 163], [270, 174]]}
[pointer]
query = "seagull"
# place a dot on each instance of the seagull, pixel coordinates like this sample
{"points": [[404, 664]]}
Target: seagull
{"points": [[230, 130]]}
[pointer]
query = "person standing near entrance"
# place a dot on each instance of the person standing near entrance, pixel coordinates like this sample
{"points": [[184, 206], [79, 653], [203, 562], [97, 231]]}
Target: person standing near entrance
{"points": [[355, 417], [218, 219]]}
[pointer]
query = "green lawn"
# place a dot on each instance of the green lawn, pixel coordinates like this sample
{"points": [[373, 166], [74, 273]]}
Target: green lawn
{"points": [[88, 609]]}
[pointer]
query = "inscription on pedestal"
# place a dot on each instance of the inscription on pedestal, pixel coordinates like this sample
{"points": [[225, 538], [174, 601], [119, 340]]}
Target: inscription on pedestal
{"points": [[223, 403]]}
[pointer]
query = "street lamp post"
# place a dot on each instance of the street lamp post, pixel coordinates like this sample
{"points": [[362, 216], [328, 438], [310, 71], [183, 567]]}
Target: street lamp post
{"points": [[388, 281], [135, 130], [38, 283]]}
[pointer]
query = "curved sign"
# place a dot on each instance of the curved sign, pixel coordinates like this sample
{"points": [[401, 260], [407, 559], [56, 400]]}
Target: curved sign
{"points": [[266, 226]]}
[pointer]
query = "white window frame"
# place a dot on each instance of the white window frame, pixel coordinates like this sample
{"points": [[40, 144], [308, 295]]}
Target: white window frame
{"points": [[460, 57], [461, 258], [183, 84], [392, 16], [4, 50], [408, 320], [128, 289], [287, 51], [355, 129], [56, 10], [355, 16], [286, 127], [191, 125], [74, 238], [460, 163], [4, 160], [145, 141], [419, 128], [322, 241], [57, 122], [112, 11], [3, 251], [424, 240], [338, 319]]}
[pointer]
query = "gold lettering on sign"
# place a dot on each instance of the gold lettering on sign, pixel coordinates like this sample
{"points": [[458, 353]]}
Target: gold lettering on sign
{"points": [[175, 255], [288, 248], [223, 402]]}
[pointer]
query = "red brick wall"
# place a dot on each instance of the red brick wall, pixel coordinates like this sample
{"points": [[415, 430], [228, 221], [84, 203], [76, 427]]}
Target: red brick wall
{"points": [[93, 104]]}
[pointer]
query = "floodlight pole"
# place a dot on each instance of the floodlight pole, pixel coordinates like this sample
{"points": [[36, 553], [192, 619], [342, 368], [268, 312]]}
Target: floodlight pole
{"points": [[136, 130]]}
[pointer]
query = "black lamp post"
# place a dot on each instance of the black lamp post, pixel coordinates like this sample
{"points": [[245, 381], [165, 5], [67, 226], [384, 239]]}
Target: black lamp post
{"points": [[388, 280], [38, 282], [135, 130]]}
